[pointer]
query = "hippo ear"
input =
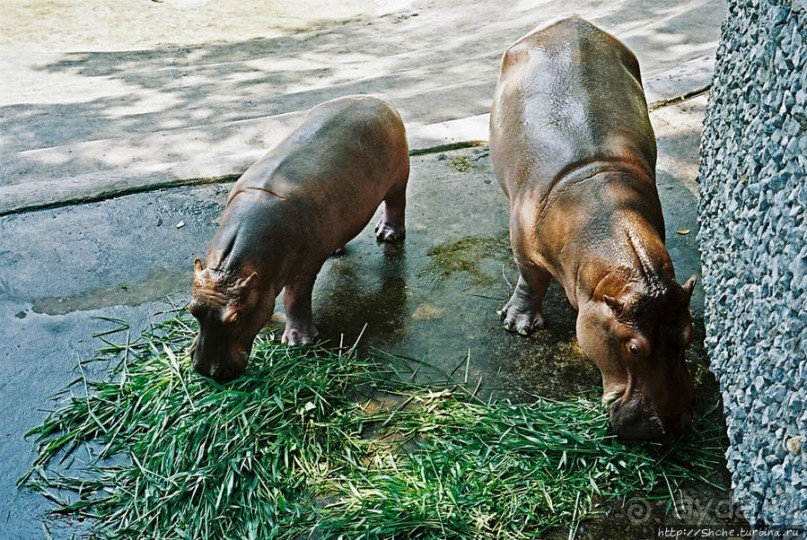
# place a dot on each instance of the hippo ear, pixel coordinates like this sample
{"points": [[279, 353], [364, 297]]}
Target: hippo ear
{"points": [[248, 283], [615, 305], [198, 272], [689, 286]]}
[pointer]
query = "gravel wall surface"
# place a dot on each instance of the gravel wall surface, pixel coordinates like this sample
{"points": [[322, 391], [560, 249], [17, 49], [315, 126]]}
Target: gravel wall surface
{"points": [[753, 191]]}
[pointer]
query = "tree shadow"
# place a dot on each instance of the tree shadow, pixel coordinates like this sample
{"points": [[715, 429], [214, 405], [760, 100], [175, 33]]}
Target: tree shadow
{"points": [[113, 110]]}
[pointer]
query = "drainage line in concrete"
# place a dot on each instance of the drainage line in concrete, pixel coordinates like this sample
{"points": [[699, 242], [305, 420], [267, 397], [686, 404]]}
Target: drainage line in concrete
{"points": [[112, 194], [656, 105], [447, 147]]}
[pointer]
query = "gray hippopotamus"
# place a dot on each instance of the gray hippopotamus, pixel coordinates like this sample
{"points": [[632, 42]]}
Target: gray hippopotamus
{"points": [[573, 149], [286, 215]]}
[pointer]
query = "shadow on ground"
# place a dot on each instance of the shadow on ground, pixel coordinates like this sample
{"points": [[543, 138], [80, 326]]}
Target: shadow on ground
{"points": [[127, 108]]}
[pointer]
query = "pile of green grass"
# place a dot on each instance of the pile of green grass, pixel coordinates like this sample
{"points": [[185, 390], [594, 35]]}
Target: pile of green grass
{"points": [[320, 441]]}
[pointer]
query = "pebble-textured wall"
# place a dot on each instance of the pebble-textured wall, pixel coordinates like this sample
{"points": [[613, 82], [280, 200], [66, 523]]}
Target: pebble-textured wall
{"points": [[753, 242]]}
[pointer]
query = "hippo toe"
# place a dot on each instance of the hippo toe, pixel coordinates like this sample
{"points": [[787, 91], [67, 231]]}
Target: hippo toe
{"points": [[520, 319], [297, 337], [387, 231]]}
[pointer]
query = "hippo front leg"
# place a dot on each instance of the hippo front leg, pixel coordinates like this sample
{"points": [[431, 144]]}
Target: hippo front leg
{"points": [[523, 312], [300, 329]]}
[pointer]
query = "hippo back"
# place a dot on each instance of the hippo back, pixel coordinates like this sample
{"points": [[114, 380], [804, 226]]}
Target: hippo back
{"points": [[552, 113], [324, 181]]}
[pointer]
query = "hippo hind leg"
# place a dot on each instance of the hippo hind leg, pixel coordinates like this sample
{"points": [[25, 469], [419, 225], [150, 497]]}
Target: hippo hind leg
{"points": [[523, 312], [391, 226], [300, 329]]}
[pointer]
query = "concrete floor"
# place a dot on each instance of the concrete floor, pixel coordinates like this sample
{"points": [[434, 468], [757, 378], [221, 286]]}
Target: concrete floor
{"points": [[106, 101], [432, 298]]}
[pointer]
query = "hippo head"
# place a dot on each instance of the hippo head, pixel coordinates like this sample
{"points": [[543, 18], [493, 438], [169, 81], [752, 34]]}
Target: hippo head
{"points": [[637, 339], [229, 315]]}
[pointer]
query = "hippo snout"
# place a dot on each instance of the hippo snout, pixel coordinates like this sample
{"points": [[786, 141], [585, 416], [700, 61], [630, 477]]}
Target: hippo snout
{"points": [[638, 420], [221, 373], [221, 368]]}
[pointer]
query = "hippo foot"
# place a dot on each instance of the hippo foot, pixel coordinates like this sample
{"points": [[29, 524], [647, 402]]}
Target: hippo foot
{"points": [[388, 231], [520, 319], [297, 337]]}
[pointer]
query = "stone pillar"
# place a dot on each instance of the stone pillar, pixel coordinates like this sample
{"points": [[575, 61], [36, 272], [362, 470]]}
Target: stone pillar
{"points": [[753, 241]]}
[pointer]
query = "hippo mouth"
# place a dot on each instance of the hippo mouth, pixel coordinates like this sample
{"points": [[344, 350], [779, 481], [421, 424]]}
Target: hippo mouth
{"points": [[630, 419], [611, 399], [630, 424], [221, 372]]}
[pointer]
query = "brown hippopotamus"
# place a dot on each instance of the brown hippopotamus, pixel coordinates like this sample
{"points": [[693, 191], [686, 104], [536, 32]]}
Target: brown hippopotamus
{"points": [[286, 215], [573, 149]]}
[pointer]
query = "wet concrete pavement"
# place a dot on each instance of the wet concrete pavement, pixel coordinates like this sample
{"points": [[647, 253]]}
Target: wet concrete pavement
{"points": [[433, 298]]}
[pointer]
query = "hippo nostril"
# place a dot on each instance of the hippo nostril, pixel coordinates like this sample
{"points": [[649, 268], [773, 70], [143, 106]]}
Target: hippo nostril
{"points": [[214, 372], [656, 422]]}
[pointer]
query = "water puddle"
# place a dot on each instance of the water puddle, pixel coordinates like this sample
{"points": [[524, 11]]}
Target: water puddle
{"points": [[160, 285]]}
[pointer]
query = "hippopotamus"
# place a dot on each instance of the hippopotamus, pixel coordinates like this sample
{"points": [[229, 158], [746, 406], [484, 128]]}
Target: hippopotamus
{"points": [[299, 204], [573, 149]]}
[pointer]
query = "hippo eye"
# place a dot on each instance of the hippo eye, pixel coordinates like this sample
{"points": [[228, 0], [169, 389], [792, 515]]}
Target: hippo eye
{"points": [[634, 348]]}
